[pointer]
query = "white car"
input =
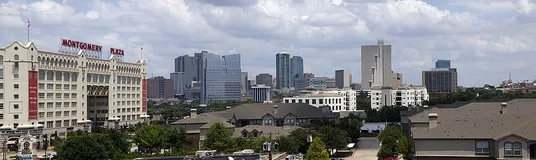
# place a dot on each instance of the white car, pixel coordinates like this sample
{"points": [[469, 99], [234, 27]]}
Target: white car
{"points": [[48, 155]]}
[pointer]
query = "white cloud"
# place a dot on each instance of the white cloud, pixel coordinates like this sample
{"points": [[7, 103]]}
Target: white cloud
{"points": [[326, 33]]}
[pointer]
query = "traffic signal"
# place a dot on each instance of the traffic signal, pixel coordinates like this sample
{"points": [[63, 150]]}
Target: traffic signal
{"points": [[276, 146]]}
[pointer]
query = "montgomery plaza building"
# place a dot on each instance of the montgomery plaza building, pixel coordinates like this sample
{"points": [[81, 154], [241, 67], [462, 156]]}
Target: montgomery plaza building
{"points": [[74, 88]]}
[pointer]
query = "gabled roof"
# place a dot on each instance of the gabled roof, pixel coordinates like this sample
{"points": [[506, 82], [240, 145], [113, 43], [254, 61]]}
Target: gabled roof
{"points": [[265, 130], [201, 119], [258, 110], [480, 120]]}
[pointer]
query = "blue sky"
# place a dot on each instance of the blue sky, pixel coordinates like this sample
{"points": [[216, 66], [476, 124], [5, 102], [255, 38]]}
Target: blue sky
{"points": [[484, 39]]}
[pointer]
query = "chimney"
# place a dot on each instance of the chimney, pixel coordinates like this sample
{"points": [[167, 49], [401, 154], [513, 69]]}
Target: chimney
{"points": [[432, 120], [193, 113], [275, 108], [504, 108]]}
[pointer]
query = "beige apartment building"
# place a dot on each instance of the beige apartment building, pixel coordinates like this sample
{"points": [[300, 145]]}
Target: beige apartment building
{"points": [[64, 92], [477, 130]]}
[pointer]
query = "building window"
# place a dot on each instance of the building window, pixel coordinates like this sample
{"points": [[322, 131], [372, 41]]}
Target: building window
{"points": [[16, 86], [16, 96], [512, 149], [16, 106], [482, 147], [16, 116]]}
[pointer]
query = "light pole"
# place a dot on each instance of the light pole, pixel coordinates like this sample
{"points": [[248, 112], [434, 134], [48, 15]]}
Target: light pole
{"points": [[270, 146]]}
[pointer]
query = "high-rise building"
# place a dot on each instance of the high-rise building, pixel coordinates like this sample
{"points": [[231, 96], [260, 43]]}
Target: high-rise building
{"points": [[220, 77], [261, 93], [160, 87], [375, 65], [442, 64], [440, 80], [330, 82], [244, 83], [282, 70], [264, 78], [296, 68], [187, 69], [343, 78], [67, 90], [397, 79], [178, 84]]}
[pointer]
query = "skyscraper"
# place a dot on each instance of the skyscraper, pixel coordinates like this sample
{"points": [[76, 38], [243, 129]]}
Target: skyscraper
{"points": [[187, 69], [244, 83], [282, 71], [296, 68], [375, 65], [343, 78], [440, 80], [220, 77], [442, 64], [264, 78]]}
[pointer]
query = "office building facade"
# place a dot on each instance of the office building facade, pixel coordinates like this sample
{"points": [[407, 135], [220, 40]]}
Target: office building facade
{"points": [[160, 87], [261, 93], [440, 80], [264, 78], [220, 77], [244, 83], [442, 64], [375, 65], [67, 91], [343, 78], [296, 68], [282, 70], [186, 68], [178, 84]]}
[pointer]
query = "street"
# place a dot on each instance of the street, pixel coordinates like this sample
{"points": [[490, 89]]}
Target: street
{"points": [[368, 147]]}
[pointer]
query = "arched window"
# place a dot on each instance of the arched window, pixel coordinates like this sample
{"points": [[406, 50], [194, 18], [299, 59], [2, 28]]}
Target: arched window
{"points": [[508, 150], [16, 57], [512, 149], [517, 149]]}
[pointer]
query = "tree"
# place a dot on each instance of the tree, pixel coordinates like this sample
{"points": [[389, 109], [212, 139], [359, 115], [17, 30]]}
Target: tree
{"points": [[82, 147], [218, 138], [352, 125], [173, 138], [334, 138], [149, 136], [317, 150], [393, 141]]}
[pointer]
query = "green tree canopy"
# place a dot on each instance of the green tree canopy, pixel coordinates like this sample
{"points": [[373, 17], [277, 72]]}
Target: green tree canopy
{"points": [[393, 141], [334, 138], [149, 136], [218, 138], [352, 125], [173, 138], [82, 147], [317, 150]]}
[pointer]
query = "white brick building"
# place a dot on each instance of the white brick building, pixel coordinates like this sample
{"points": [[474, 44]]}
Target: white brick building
{"points": [[69, 91], [402, 96], [338, 100]]}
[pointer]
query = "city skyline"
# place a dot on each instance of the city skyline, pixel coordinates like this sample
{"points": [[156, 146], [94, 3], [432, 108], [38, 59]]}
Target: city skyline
{"points": [[482, 45]]}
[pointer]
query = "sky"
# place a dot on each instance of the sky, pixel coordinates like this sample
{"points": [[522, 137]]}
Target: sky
{"points": [[485, 39]]}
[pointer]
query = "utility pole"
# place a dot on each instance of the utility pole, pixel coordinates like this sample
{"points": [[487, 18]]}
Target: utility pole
{"points": [[271, 147]]}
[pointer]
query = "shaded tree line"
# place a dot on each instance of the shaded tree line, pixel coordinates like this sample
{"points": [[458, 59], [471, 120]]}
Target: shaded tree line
{"points": [[114, 144], [175, 111], [333, 135]]}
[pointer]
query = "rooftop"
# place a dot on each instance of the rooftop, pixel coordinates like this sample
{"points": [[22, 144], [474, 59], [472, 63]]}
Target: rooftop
{"points": [[479, 120]]}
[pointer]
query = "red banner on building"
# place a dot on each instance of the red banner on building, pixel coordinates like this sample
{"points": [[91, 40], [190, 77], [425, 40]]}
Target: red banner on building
{"points": [[32, 95], [144, 95]]}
